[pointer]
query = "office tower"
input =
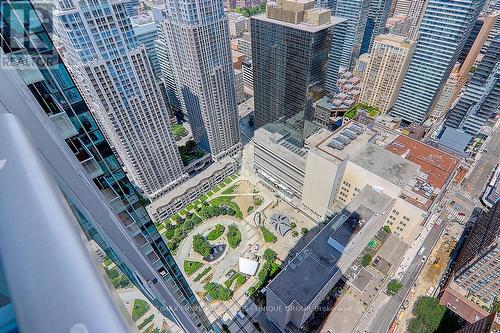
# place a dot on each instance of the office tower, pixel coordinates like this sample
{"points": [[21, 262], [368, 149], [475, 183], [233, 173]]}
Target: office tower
{"points": [[198, 43], [481, 98], [43, 95], [375, 23], [470, 39], [330, 4], [247, 69], [415, 16], [443, 31], [146, 32], [477, 268], [245, 45], [239, 85], [402, 7], [356, 11], [238, 24], [389, 61], [290, 46], [335, 55], [116, 80], [131, 7]]}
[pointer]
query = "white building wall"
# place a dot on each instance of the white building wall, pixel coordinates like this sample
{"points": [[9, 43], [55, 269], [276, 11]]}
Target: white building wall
{"points": [[198, 40]]}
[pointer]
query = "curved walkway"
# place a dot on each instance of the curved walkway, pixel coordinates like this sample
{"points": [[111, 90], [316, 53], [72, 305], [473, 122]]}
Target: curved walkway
{"points": [[219, 266]]}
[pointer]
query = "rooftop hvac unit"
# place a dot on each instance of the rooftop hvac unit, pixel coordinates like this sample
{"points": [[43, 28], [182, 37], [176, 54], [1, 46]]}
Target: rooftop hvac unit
{"points": [[336, 144], [356, 128], [350, 134], [342, 138]]}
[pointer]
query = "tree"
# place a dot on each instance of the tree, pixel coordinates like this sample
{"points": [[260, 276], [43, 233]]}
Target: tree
{"points": [[264, 272], [233, 236], [196, 219], [393, 287], [367, 259], [201, 245], [270, 255], [218, 291], [304, 231], [293, 225], [428, 314]]}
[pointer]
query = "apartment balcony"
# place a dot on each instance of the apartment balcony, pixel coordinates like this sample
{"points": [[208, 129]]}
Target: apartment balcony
{"points": [[64, 125], [92, 167]]}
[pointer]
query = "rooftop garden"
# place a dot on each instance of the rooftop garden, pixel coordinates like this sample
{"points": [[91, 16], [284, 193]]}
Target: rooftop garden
{"points": [[190, 152], [250, 11], [372, 111], [179, 131]]}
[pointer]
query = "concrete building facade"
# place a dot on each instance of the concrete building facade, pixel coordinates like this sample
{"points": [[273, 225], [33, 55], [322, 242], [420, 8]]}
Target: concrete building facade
{"points": [[477, 268], [199, 46], [116, 79], [389, 61]]}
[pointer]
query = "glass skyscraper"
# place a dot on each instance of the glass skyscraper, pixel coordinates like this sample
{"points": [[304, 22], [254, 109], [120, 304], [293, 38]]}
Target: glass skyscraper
{"points": [[290, 63], [375, 22], [356, 11], [443, 32], [480, 100], [106, 204]]}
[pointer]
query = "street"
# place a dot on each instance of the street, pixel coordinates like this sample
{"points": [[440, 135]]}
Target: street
{"points": [[380, 314]]}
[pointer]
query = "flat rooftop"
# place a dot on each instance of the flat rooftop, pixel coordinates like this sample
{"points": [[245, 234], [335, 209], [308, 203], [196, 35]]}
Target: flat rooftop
{"points": [[385, 164], [462, 306], [321, 142], [167, 198], [314, 266], [437, 164], [284, 141], [352, 226], [334, 20]]}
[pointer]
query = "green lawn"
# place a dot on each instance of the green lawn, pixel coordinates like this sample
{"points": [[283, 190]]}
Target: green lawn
{"points": [[179, 131], [146, 322], [269, 237], [233, 236], [191, 266], [140, 308], [229, 203], [230, 189], [372, 111], [351, 114], [107, 261], [216, 232], [238, 277], [202, 274]]}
